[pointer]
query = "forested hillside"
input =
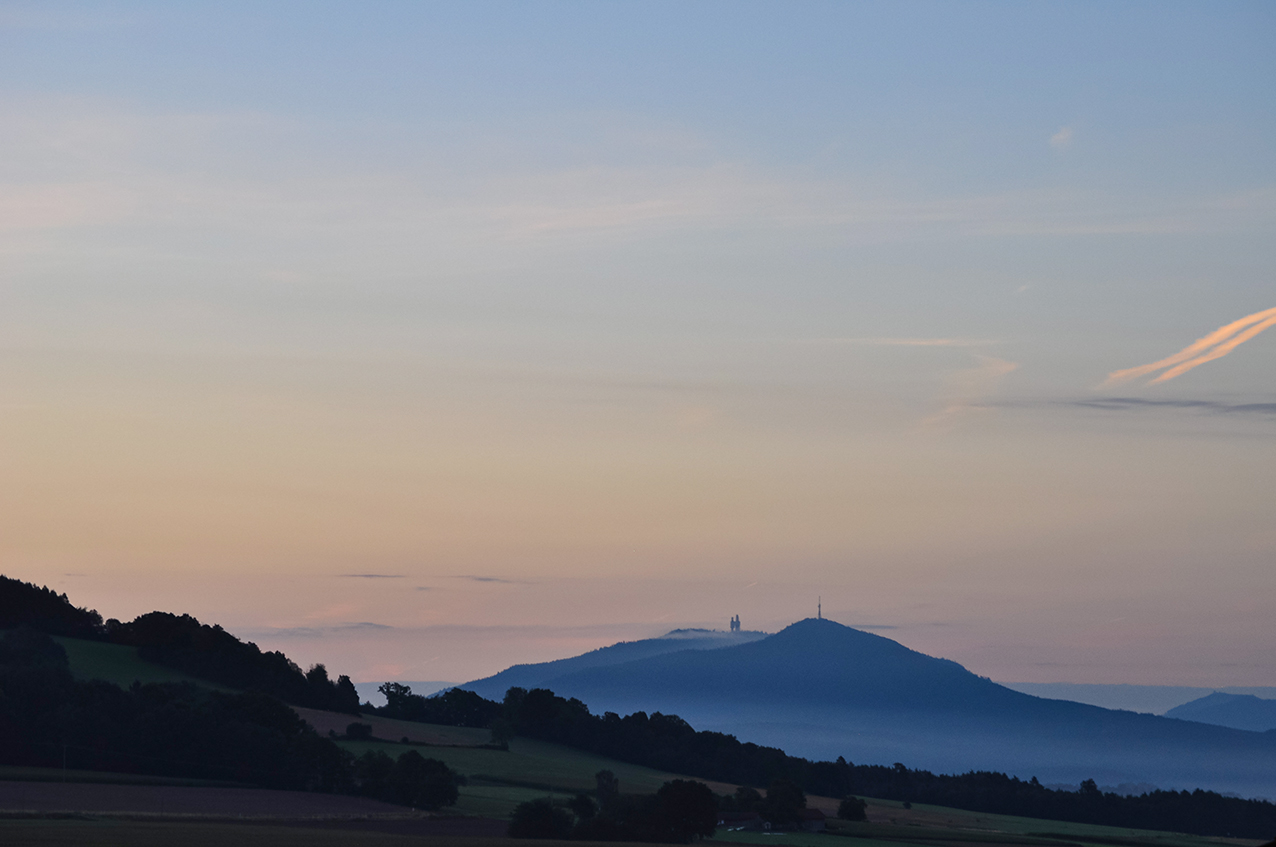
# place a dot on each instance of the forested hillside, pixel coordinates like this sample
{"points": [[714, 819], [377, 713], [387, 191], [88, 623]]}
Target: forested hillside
{"points": [[183, 643]]}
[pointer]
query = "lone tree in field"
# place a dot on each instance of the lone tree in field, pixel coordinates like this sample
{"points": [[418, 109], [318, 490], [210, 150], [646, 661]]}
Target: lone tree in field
{"points": [[540, 819], [852, 809], [685, 810], [608, 788], [785, 801]]}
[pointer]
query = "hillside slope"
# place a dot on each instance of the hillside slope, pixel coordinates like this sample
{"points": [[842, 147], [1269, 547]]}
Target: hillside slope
{"points": [[1239, 711], [821, 689], [541, 674]]}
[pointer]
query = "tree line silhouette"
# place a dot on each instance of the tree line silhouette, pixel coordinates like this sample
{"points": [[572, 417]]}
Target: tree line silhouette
{"points": [[183, 643], [669, 743], [50, 719]]}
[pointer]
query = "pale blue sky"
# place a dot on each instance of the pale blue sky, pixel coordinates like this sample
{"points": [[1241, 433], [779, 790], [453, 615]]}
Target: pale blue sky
{"points": [[627, 302]]}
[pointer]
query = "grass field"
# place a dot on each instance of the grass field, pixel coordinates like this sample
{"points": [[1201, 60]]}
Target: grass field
{"points": [[393, 730], [120, 664], [956, 825], [499, 780]]}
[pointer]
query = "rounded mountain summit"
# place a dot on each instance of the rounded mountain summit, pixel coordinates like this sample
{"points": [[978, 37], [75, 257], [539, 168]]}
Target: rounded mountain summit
{"points": [[821, 689]]}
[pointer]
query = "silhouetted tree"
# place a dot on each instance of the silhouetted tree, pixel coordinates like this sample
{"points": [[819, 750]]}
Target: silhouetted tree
{"points": [[608, 788], [540, 819], [745, 799], [502, 733], [583, 806], [685, 809], [785, 801], [852, 809]]}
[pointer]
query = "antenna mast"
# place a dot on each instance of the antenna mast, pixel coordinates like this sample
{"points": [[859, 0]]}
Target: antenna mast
{"points": [[819, 607]]}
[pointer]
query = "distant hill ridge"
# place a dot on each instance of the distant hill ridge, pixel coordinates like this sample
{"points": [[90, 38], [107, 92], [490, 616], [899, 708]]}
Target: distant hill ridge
{"points": [[1239, 711], [536, 675], [820, 689], [1153, 699]]}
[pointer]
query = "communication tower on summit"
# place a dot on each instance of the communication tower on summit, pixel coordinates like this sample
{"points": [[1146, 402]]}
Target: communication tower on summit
{"points": [[735, 624], [819, 608]]}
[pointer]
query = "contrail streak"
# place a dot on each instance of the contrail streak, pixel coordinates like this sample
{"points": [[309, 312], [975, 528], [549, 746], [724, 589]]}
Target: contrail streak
{"points": [[1199, 352], [1218, 352]]}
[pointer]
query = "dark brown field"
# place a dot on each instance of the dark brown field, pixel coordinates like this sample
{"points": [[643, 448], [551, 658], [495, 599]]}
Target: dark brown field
{"points": [[98, 798], [127, 833]]}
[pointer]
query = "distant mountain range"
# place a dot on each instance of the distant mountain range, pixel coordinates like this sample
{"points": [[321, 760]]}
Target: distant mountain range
{"points": [[820, 689], [1153, 699], [1239, 711]]}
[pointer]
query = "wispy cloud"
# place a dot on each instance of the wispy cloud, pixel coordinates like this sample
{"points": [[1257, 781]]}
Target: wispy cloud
{"points": [[1133, 403], [318, 631], [1140, 405], [967, 387], [1062, 138], [371, 575], [907, 342], [1215, 345], [116, 170], [496, 579], [622, 631]]}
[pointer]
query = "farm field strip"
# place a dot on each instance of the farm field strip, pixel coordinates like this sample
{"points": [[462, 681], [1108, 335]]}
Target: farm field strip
{"points": [[54, 797], [98, 833]]}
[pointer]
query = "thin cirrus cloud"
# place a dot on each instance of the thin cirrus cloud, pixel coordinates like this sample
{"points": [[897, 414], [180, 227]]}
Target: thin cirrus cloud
{"points": [[908, 342], [317, 631], [967, 388], [1135, 403], [1215, 345]]}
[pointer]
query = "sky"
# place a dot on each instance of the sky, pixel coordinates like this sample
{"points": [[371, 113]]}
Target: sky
{"points": [[421, 339]]}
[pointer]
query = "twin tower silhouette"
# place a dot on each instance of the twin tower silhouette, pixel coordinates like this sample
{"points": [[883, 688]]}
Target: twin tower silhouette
{"points": [[819, 615]]}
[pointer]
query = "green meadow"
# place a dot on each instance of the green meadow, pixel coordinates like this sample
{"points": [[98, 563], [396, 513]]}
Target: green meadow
{"points": [[499, 779], [120, 664]]}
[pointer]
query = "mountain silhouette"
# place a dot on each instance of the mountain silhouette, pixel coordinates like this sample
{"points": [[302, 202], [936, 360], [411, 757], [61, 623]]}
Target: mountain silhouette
{"points": [[820, 689], [539, 674], [1239, 711]]}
